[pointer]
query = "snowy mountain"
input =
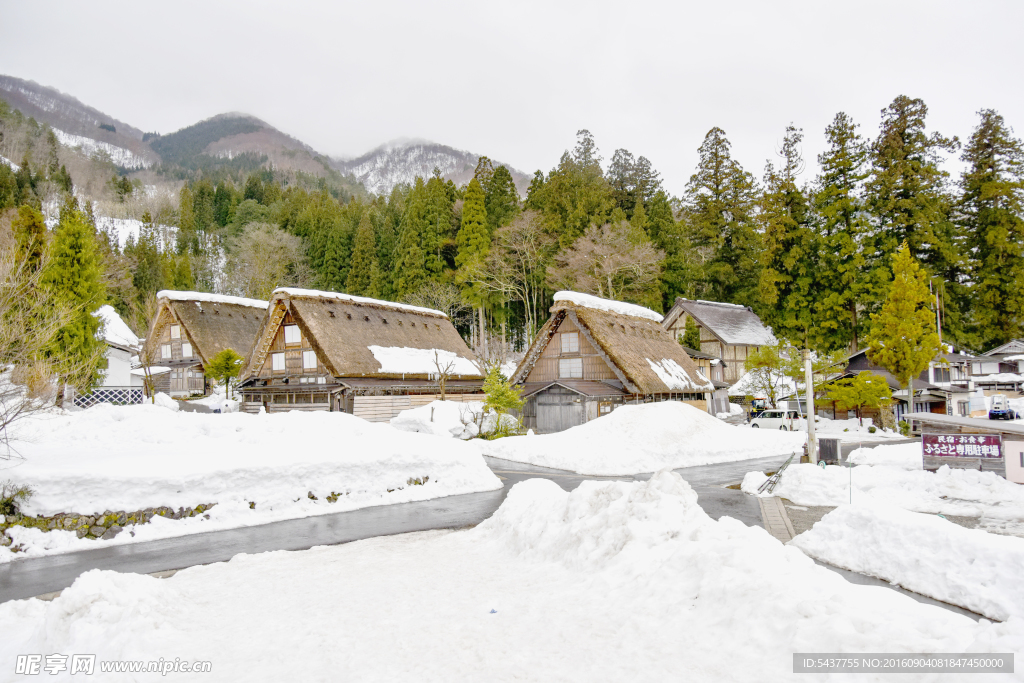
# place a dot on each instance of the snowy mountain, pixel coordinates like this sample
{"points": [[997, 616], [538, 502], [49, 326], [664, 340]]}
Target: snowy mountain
{"points": [[400, 161]]}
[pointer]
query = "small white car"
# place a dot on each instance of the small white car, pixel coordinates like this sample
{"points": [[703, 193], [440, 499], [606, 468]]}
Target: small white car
{"points": [[786, 420]]}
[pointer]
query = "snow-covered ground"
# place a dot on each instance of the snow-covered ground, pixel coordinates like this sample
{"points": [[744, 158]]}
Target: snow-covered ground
{"points": [[645, 438], [905, 456], [969, 493], [127, 458], [449, 419], [119, 155], [851, 431], [923, 553], [614, 581]]}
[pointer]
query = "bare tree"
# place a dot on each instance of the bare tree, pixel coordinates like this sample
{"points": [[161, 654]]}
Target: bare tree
{"points": [[444, 297], [140, 315], [445, 369], [613, 261], [263, 258]]}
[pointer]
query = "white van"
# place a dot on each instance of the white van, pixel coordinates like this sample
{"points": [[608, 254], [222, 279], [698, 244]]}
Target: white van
{"points": [[786, 420]]}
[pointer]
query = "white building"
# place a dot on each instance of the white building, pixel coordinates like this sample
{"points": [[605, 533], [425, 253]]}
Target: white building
{"points": [[119, 385]]}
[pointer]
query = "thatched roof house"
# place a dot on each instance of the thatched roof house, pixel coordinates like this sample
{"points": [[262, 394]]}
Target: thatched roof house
{"points": [[191, 328], [594, 354], [727, 331], [332, 351]]}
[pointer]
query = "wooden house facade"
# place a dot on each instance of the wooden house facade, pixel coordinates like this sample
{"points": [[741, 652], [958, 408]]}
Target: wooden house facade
{"points": [[727, 331], [336, 352], [190, 329], [593, 355]]}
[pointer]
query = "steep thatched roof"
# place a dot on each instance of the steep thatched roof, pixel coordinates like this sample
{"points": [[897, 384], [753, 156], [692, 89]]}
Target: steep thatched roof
{"points": [[212, 322], [731, 323], [361, 337], [642, 354]]}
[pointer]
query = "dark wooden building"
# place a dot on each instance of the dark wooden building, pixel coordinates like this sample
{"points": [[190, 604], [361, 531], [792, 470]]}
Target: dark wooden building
{"points": [[594, 355], [190, 328], [331, 351]]}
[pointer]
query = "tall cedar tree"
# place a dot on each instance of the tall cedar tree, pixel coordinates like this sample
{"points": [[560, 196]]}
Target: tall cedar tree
{"points": [[439, 224], [74, 278], [789, 274], [364, 259], [575, 195], [903, 338], [410, 271], [30, 231], [842, 227], [991, 211], [501, 199], [907, 193], [720, 207], [473, 239]]}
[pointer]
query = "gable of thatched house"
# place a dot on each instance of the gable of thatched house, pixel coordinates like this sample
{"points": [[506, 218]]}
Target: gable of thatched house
{"points": [[594, 354], [727, 331], [191, 328], [333, 351]]}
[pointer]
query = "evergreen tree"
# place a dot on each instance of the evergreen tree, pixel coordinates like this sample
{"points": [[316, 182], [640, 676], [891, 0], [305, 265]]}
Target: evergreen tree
{"points": [[203, 204], [188, 239], [438, 224], [842, 228], [789, 274], [575, 194], [29, 229], [473, 239], [364, 259], [903, 339], [335, 268], [501, 199], [410, 271], [691, 336], [719, 211], [149, 275], [225, 367], [224, 202], [991, 212], [74, 279]]}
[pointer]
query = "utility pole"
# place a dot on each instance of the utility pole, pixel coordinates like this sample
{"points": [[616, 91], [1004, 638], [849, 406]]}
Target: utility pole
{"points": [[812, 440]]}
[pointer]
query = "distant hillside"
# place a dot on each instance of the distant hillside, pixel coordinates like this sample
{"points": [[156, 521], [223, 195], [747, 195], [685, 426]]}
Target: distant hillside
{"points": [[402, 160], [77, 124]]}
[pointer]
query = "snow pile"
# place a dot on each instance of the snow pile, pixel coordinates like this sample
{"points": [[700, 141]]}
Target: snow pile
{"points": [[923, 553], [217, 401], [614, 581], [118, 155], [905, 456], [733, 410], [406, 360], [450, 419], [339, 296], [132, 457], [609, 305], [675, 377], [969, 493], [114, 329], [162, 400], [201, 297], [645, 438]]}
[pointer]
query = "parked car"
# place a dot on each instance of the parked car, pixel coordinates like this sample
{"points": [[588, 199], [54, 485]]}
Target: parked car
{"points": [[786, 420], [1001, 409]]}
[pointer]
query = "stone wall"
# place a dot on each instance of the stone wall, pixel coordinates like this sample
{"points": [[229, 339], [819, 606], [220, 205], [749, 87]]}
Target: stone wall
{"points": [[105, 525]]}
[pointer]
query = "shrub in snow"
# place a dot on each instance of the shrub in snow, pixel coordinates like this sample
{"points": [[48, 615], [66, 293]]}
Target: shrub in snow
{"points": [[12, 496]]}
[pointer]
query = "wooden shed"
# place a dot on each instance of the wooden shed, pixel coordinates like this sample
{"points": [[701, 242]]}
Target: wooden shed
{"points": [[190, 328], [332, 351], [594, 355], [727, 331]]}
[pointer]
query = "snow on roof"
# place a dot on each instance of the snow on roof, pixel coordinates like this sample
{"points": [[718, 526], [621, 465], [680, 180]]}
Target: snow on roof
{"points": [[610, 305], [340, 296], [676, 378], [115, 331], [732, 323], [412, 361], [209, 298], [999, 377], [153, 370], [1017, 357]]}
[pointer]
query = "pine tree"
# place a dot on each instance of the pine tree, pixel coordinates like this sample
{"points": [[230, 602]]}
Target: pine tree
{"points": [[842, 228], [364, 259], [789, 276], [991, 212], [575, 194], [720, 205], [473, 240], [691, 336], [501, 199], [438, 224], [903, 339], [410, 271], [29, 229], [335, 268], [74, 279], [188, 239]]}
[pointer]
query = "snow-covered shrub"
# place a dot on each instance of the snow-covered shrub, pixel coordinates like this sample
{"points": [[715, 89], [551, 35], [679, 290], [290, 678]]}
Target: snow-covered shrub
{"points": [[12, 496]]}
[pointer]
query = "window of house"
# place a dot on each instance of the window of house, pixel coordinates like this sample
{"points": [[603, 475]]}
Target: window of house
{"points": [[604, 408], [175, 331], [186, 350], [278, 360], [165, 350], [291, 334], [570, 368], [570, 342], [309, 360]]}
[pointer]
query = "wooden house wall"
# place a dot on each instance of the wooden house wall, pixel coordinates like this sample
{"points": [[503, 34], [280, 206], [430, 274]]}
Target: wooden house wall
{"points": [[163, 335], [383, 408], [734, 355], [184, 378], [546, 367], [292, 355]]}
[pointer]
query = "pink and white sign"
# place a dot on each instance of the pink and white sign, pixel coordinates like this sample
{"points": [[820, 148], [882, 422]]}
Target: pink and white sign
{"points": [[963, 445]]}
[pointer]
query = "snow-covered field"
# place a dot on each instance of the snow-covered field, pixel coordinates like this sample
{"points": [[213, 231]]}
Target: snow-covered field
{"points": [[133, 457], [613, 582], [906, 456], [968, 493], [923, 553], [449, 419], [635, 439]]}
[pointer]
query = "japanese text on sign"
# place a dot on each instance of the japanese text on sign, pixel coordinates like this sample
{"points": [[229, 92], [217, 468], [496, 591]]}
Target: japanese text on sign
{"points": [[963, 445]]}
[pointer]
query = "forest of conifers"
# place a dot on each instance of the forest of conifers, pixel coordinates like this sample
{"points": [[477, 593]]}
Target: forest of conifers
{"points": [[807, 245]]}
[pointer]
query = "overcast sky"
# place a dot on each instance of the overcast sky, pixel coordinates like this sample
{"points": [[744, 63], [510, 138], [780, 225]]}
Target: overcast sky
{"points": [[516, 80]]}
